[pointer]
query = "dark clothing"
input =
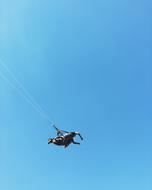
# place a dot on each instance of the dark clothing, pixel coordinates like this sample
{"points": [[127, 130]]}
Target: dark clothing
{"points": [[65, 140]]}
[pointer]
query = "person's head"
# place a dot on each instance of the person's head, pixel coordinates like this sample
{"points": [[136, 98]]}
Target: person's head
{"points": [[50, 140]]}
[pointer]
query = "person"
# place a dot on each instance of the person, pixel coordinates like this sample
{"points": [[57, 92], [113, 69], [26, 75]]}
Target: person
{"points": [[65, 140], [58, 140]]}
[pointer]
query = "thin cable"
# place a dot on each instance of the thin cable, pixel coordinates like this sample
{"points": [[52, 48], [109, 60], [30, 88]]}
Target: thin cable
{"points": [[20, 92], [23, 96], [25, 91]]}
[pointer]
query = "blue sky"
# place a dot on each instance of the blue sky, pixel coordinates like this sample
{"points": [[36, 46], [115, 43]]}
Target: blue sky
{"points": [[88, 64]]}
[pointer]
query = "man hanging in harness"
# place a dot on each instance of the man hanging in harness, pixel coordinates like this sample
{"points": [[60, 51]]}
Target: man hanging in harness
{"points": [[64, 138]]}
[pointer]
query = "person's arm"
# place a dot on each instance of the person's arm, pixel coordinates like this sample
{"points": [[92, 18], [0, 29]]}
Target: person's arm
{"points": [[79, 135]]}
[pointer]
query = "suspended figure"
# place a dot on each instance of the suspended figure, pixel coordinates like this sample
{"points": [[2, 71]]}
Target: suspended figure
{"points": [[64, 138]]}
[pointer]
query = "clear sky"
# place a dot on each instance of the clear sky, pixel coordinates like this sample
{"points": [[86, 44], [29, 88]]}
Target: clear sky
{"points": [[89, 65]]}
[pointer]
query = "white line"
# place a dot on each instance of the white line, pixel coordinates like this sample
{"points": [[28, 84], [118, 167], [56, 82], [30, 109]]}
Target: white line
{"points": [[22, 87], [23, 92]]}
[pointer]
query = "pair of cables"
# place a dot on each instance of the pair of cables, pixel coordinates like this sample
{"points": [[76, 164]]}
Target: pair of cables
{"points": [[15, 84]]}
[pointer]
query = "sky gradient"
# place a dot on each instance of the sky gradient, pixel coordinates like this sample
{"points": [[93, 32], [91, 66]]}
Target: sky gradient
{"points": [[88, 65]]}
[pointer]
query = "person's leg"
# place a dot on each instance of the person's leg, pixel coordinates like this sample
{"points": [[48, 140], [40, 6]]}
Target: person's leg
{"points": [[76, 142], [67, 144]]}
